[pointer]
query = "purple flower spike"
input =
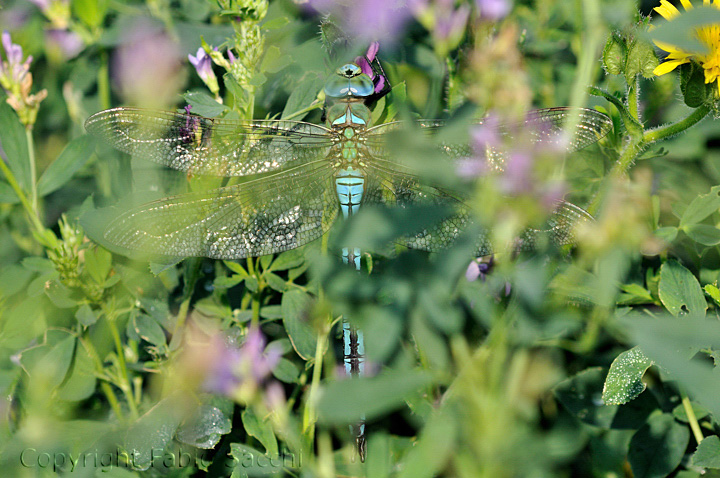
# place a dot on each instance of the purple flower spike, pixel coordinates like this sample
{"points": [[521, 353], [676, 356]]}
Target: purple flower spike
{"points": [[493, 10], [202, 63], [250, 365]]}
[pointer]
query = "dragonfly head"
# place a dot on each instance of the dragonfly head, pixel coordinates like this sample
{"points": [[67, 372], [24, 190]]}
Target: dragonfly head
{"points": [[349, 82]]}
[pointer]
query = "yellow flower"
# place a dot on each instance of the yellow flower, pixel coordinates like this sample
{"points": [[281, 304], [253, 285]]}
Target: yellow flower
{"points": [[708, 35]]}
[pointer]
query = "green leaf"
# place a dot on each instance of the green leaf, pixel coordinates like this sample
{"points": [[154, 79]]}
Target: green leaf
{"points": [[152, 432], [260, 429], [91, 12], [50, 361], [667, 234], [680, 413], [7, 194], [226, 282], [434, 447], [271, 312], [344, 401], [641, 59], [670, 343], [679, 290], [85, 315], [275, 281], [701, 207], [614, 55], [274, 60], [286, 371], [707, 454], [581, 395], [302, 96], [204, 105], [14, 143], [295, 306], [72, 158], [635, 294], [703, 233], [657, 448], [13, 278], [251, 462], [38, 264], [149, 330], [693, 87], [288, 260], [60, 295], [624, 379], [98, 262], [204, 428], [81, 380], [713, 292]]}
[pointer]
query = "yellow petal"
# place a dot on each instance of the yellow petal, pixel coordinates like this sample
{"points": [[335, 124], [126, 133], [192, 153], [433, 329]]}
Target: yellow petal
{"points": [[667, 10], [687, 5], [667, 67]]}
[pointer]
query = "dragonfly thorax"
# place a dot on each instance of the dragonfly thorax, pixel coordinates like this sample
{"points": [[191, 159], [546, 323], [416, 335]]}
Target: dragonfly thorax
{"points": [[349, 82], [343, 115]]}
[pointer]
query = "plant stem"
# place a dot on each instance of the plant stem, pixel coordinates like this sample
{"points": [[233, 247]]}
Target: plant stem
{"points": [[313, 106], [310, 413], [672, 129], [633, 94], [103, 81], [692, 419], [125, 385], [34, 220], [33, 169]]}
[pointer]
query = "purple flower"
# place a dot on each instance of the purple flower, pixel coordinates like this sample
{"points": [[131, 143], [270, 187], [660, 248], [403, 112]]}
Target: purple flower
{"points": [[248, 365], [451, 23], [479, 268], [493, 10], [147, 67], [203, 64], [14, 69], [69, 43]]}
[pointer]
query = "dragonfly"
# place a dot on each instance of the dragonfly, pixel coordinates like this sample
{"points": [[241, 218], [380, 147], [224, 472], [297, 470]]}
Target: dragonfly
{"points": [[303, 176]]}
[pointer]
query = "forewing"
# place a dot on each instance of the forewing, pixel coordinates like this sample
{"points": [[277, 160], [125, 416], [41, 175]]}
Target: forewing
{"points": [[560, 226], [200, 145], [263, 216]]}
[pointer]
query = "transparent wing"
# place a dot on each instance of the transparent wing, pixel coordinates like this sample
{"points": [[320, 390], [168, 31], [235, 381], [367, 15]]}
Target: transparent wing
{"points": [[545, 126], [263, 216], [200, 145], [395, 188]]}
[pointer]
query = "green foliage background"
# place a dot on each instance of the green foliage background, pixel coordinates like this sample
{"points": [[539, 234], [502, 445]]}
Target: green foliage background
{"points": [[597, 359]]}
